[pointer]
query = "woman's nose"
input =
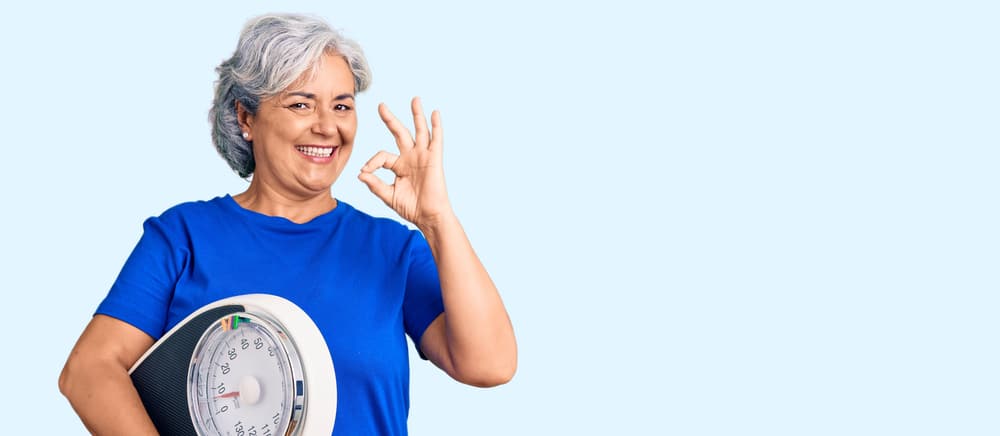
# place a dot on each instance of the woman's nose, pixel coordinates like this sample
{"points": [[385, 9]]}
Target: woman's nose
{"points": [[326, 123]]}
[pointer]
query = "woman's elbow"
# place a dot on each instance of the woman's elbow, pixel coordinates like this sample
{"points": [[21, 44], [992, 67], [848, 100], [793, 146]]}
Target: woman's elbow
{"points": [[489, 377], [492, 380], [67, 378], [78, 371]]}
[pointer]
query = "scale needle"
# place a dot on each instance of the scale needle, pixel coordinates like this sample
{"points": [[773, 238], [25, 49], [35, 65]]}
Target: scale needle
{"points": [[229, 395]]}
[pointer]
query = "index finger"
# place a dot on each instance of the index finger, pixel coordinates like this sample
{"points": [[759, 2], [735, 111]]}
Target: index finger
{"points": [[398, 130]]}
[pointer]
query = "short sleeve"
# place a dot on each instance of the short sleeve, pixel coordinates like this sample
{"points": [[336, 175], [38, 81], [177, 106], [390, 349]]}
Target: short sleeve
{"points": [[422, 302], [141, 294]]}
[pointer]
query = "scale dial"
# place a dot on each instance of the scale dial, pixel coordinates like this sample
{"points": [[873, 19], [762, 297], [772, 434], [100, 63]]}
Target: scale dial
{"points": [[245, 379]]}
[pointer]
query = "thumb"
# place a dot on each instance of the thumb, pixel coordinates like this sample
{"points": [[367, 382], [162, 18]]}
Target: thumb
{"points": [[378, 187]]}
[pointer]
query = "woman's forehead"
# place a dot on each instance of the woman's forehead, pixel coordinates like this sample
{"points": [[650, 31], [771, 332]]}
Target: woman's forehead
{"points": [[329, 75]]}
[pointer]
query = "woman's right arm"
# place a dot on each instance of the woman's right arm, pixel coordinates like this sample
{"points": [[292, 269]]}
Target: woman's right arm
{"points": [[96, 380]]}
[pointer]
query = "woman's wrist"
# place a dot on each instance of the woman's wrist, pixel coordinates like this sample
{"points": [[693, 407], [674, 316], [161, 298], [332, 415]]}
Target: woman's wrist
{"points": [[434, 226]]}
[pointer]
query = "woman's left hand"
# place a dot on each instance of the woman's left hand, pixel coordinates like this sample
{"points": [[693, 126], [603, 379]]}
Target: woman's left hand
{"points": [[418, 193], [473, 340]]}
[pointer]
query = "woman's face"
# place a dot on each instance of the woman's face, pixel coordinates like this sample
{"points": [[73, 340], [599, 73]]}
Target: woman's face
{"points": [[303, 136]]}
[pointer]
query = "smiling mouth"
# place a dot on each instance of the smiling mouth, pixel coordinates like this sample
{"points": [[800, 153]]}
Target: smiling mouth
{"points": [[314, 151]]}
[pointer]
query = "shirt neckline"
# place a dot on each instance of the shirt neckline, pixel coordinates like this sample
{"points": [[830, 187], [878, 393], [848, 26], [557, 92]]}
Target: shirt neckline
{"points": [[323, 220]]}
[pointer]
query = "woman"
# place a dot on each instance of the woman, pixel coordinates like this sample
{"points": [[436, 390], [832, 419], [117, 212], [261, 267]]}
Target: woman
{"points": [[284, 112]]}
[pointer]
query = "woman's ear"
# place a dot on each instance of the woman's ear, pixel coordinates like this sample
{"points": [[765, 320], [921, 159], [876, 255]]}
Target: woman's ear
{"points": [[245, 119]]}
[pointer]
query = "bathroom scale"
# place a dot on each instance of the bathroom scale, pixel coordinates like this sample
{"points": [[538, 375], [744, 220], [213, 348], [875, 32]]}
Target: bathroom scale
{"points": [[249, 365]]}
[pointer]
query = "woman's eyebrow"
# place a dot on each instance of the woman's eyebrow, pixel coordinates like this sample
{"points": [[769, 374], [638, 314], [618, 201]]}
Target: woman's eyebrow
{"points": [[312, 96]]}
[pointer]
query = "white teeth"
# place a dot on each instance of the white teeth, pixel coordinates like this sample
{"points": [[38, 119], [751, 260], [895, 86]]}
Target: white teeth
{"points": [[316, 151]]}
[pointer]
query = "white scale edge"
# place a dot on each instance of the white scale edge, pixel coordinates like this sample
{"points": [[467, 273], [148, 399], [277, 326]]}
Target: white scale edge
{"points": [[319, 377]]}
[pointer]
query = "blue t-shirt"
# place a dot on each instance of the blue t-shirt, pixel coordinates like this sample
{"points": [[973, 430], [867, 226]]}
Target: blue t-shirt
{"points": [[363, 280]]}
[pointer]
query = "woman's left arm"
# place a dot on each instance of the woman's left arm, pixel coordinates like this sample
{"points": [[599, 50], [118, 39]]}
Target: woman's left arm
{"points": [[473, 340]]}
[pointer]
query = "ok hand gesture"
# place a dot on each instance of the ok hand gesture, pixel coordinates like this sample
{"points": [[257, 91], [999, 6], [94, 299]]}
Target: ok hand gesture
{"points": [[418, 193]]}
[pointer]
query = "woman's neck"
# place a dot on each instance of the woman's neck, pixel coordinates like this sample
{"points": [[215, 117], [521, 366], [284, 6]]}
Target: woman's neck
{"points": [[296, 208]]}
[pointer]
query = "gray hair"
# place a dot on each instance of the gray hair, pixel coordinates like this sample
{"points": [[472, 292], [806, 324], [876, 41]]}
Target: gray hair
{"points": [[273, 52]]}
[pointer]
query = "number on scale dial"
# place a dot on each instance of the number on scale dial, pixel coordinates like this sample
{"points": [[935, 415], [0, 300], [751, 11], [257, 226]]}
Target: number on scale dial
{"points": [[245, 379]]}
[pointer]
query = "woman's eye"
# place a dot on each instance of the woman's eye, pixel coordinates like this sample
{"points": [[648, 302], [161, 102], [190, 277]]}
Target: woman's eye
{"points": [[298, 106], [342, 107]]}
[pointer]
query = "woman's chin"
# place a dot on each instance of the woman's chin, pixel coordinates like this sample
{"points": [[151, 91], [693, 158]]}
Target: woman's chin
{"points": [[318, 184], [320, 179]]}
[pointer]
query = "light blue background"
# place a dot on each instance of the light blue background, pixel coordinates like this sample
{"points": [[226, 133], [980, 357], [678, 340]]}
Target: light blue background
{"points": [[706, 218]]}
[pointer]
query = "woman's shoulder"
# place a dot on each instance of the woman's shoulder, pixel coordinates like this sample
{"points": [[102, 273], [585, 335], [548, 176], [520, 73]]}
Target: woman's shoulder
{"points": [[195, 208], [376, 223], [390, 233], [183, 215]]}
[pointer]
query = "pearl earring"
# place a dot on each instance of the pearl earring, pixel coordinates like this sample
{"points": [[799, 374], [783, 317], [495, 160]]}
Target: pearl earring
{"points": [[246, 135]]}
